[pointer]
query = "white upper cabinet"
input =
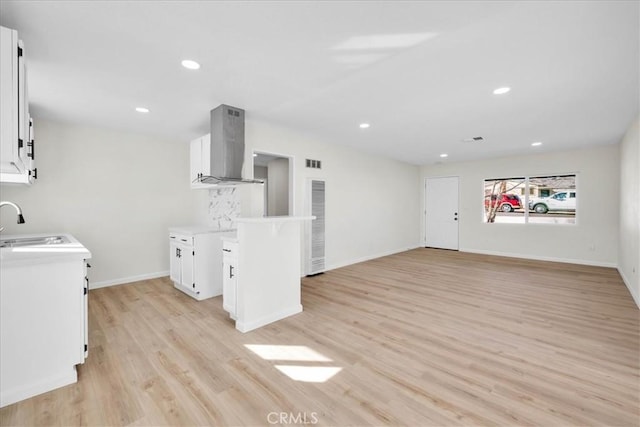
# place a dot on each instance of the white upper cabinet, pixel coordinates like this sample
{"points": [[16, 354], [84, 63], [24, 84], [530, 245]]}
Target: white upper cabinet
{"points": [[16, 142], [200, 160]]}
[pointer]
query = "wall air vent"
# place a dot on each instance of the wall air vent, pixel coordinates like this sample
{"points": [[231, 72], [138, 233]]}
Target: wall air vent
{"points": [[314, 164], [315, 262]]}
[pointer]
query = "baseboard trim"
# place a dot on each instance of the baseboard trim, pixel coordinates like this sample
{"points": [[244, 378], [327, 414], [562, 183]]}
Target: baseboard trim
{"points": [[257, 323], [627, 283], [16, 394], [370, 257], [542, 258], [123, 280]]}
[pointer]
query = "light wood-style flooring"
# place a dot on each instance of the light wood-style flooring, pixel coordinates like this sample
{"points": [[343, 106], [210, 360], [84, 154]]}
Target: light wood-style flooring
{"points": [[421, 338]]}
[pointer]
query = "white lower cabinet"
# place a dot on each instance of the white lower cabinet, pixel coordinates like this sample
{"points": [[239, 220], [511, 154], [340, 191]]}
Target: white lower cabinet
{"points": [[195, 260], [230, 280], [43, 320], [182, 260]]}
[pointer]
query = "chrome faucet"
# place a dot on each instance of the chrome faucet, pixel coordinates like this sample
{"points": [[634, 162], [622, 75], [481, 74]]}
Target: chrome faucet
{"points": [[17, 208]]}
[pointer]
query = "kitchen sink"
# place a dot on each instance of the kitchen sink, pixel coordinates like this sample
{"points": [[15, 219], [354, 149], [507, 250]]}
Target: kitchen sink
{"points": [[33, 241]]}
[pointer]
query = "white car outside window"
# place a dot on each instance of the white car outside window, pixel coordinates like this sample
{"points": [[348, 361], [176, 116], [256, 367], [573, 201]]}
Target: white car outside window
{"points": [[561, 201]]}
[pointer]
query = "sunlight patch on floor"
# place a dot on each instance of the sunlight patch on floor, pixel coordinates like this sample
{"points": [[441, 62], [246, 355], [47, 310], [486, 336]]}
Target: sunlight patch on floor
{"points": [[309, 374], [313, 369], [297, 353]]}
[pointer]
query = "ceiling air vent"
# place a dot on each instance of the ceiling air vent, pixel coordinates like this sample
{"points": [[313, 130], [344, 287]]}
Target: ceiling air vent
{"points": [[474, 139]]}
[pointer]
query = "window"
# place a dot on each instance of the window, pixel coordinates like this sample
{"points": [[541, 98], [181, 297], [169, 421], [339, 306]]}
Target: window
{"points": [[558, 206], [536, 199], [503, 200]]}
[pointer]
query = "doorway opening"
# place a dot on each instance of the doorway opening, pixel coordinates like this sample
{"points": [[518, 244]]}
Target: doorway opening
{"points": [[277, 172]]}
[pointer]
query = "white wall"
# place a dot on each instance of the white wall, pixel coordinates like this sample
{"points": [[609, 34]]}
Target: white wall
{"points": [[260, 172], [277, 187], [597, 212], [629, 252], [372, 203], [117, 193]]}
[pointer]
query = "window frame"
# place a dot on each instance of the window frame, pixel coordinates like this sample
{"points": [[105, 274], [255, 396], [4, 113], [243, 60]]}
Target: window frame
{"points": [[525, 199]]}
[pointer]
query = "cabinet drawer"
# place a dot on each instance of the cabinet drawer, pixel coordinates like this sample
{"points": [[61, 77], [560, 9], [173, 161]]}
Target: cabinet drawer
{"points": [[181, 238]]}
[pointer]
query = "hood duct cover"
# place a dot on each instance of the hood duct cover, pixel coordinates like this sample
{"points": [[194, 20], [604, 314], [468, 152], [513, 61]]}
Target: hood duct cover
{"points": [[227, 147]]}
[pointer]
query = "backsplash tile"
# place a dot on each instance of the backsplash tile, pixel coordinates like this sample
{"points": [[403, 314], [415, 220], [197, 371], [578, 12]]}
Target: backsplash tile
{"points": [[224, 208]]}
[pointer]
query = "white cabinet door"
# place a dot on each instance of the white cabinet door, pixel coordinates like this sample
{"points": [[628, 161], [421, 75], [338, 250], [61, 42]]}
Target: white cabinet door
{"points": [[229, 283], [23, 108], [31, 170], [85, 309], [200, 161], [195, 166], [205, 155], [175, 265], [229, 277], [10, 113], [181, 262], [186, 267], [16, 148]]}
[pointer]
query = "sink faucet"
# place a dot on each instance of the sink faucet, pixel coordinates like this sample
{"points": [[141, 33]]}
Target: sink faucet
{"points": [[17, 208]]}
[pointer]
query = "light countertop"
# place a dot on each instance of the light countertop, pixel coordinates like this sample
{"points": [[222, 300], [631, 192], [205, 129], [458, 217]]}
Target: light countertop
{"points": [[272, 219], [42, 253], [191, 230]]}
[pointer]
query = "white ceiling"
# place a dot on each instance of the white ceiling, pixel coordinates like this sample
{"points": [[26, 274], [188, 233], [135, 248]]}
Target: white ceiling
{"points": [[421, 73]]}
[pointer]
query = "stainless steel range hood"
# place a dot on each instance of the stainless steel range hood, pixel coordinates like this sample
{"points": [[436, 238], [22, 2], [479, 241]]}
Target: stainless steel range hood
{"points": [[227, 147]]}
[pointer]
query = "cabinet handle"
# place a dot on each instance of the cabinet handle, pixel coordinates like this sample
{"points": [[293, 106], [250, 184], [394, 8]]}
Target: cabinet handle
{"points": [[227, 250], [231, 272], [184, 240], [32, 144]]}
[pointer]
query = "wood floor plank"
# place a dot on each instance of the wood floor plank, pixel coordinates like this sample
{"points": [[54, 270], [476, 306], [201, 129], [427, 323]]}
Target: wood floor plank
{"points": [[421, 338]]}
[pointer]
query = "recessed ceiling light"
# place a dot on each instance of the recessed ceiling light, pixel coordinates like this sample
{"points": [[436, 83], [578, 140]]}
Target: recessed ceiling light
{"points": [[443, 155], [501, 90], [142, 110], [192, 65], [364, 125], [536, 144]]}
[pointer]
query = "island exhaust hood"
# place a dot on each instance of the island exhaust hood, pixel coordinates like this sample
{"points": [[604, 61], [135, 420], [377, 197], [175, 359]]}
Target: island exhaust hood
{"points": [[227, 147]]}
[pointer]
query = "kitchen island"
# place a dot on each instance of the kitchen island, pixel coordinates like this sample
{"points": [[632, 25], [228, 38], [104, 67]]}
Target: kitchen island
{"points": [[262, 268]]}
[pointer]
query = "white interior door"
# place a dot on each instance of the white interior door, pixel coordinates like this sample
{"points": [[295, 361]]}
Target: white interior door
{"points": [[441, 212]]}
